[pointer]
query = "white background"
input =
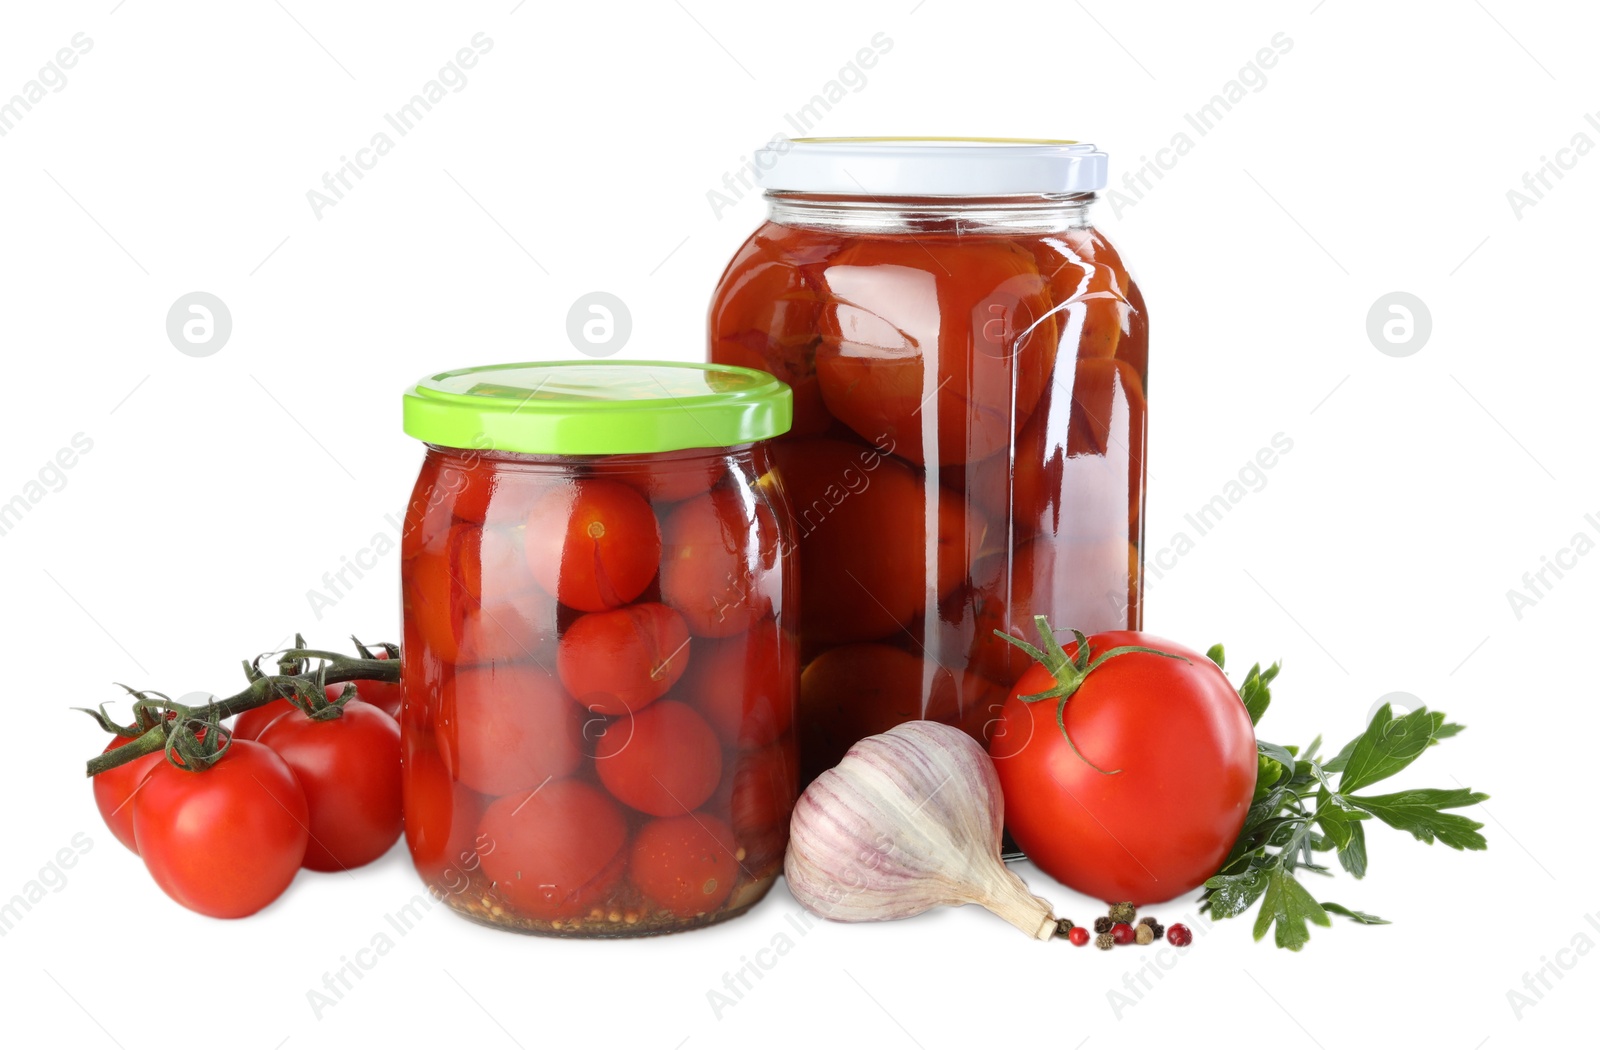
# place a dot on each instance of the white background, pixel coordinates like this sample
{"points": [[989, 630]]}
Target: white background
{"points": [[578, 157]]}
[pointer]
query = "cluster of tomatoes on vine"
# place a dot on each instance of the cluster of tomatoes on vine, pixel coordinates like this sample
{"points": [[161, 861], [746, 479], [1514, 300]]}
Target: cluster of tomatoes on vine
{"points": [[307, 775]]}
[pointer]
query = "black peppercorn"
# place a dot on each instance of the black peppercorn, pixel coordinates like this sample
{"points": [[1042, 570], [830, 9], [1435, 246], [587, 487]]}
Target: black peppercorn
{"points": [[1103, 925], [1064, 927]]}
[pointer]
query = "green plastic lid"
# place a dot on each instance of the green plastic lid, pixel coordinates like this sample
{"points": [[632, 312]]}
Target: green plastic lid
{"points": [[587, 408]]}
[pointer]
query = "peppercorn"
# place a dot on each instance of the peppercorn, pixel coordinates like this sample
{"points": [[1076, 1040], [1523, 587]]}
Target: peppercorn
{"points": [[1079, 936], [1105, 942], [1123, 912], [1178, 935], [1122, 933], [1103, 925], [1064, 927], [1142, 934], [1156, 929]]}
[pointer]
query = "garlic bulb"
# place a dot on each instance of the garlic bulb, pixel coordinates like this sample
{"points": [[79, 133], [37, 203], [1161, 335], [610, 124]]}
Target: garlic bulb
{"points": [[910, 819]]}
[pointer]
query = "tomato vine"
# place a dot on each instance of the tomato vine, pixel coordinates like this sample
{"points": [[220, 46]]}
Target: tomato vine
{"points": [[193, 736]]}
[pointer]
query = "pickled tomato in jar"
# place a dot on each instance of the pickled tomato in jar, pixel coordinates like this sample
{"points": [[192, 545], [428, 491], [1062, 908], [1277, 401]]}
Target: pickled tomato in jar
{"points": [[969, 360], [601, 649]]}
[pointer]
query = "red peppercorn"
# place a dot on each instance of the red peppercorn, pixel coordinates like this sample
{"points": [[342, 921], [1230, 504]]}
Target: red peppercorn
{"points": [[1078, 935], [1178, 935], [1122, 933]]}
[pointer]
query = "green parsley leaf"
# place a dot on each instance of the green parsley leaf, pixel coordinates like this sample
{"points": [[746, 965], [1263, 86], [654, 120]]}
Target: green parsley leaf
{"points": [[1337, 822], [1353, 854], [1304, 807], [1288, 906], [1420, 811], [1358, 916], [1254, 691], [1389, 745], [1232, 895]]}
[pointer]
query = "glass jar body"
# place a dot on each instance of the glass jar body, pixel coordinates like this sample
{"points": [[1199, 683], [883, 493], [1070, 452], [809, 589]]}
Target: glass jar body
{"points": [[968, 445], [600, 679]]}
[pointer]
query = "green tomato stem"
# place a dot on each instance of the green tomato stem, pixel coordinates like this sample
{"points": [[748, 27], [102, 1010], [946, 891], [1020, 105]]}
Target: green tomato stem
{"points": [[156, 731], [1070, 672]]}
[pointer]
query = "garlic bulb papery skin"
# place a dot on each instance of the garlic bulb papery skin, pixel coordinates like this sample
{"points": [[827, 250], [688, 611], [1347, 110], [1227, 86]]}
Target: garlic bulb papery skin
{"points": [[909, 820]]}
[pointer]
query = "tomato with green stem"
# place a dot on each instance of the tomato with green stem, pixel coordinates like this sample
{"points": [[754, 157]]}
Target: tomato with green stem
{"points": [[227, 840], [114, 790], [1127, 762], [385, 696], [252, 723], [349, 768]]}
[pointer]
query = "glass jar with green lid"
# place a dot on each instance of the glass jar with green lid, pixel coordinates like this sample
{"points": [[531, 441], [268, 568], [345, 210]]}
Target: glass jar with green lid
{"points": [[600, 659]]}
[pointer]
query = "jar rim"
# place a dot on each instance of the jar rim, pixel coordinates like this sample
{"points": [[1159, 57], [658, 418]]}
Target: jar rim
{"points": [[906, 166]]}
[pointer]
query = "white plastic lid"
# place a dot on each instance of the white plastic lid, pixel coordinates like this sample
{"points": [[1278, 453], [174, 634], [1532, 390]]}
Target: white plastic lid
{"points": [[930, 167]]}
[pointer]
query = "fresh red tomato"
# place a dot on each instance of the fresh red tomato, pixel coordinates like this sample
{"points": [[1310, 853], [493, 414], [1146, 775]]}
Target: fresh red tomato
{"points": [[745, 685], [385, 696], [856, 691], [957, 334], [859, 519], [719, 560], [664, 761], [114, 790], [349, 768], [685, 864], [593, 545], [227, 841], [556, 851], [254, 722], [1150, 802], [507, 728], [618, 661]]}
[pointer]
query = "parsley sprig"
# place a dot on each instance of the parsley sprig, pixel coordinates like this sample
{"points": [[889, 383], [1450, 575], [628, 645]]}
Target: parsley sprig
{"points": [[1306, 805]]}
